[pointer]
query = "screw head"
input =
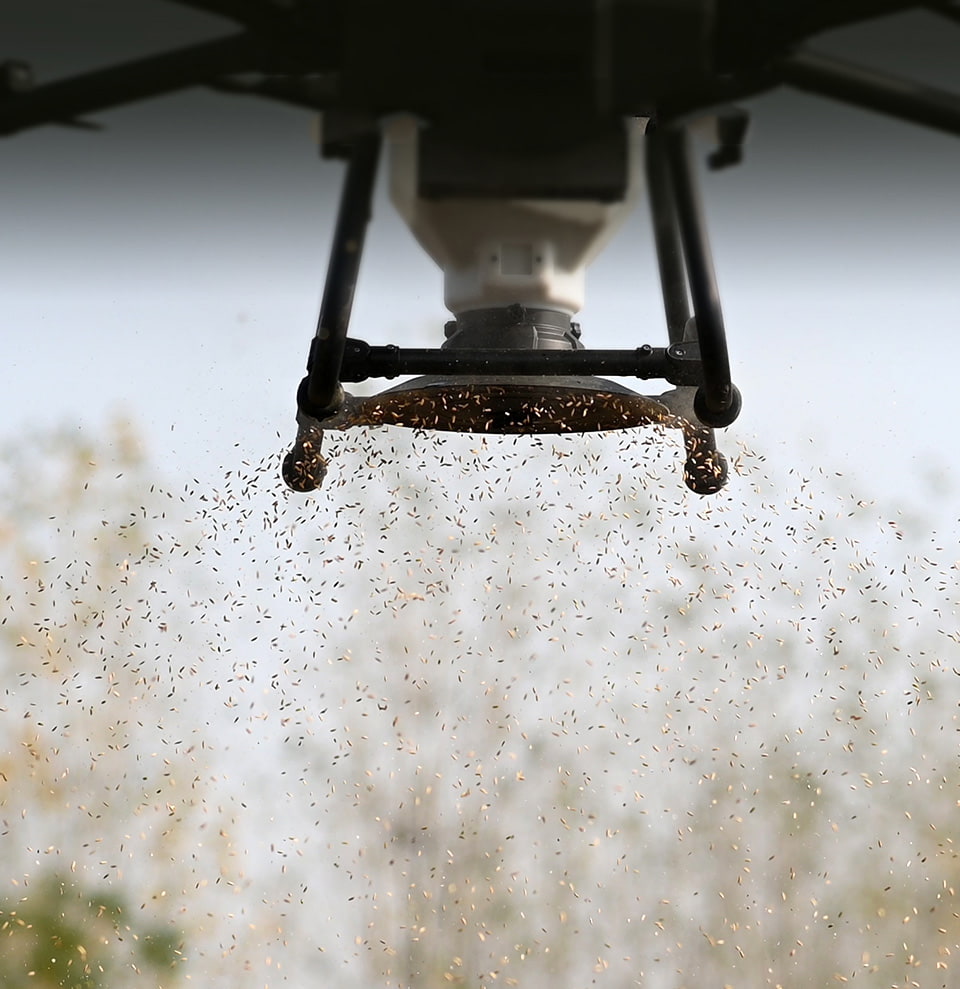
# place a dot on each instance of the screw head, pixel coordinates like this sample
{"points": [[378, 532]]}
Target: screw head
{"points": [[15, 76]]}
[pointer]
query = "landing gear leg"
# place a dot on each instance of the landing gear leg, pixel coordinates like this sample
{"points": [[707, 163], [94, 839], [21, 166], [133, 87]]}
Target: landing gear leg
{"points": [[686, 268], [320, 394]]}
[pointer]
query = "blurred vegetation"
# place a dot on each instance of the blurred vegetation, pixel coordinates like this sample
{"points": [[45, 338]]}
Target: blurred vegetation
{"points": [[78, 781], [501, 714], [56, 936]]}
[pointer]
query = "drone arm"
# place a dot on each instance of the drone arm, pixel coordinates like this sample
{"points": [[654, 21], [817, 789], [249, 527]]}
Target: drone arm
{"points": [[242, 11], [946, 8], [313, 92], [872, 90], [745, 29], [68, 99]]}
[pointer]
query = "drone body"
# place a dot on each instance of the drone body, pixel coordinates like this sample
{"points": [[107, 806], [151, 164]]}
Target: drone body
{"points": [[517, 135]]}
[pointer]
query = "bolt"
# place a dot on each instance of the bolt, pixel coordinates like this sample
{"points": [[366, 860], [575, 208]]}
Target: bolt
{"points": [[15, 76]]}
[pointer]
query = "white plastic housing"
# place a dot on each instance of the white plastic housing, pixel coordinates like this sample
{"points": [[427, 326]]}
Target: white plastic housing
{"points": [[494, 253]]}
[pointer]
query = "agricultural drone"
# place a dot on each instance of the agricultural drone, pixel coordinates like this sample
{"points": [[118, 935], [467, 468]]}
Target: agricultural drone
{"points": [[516, 134]]}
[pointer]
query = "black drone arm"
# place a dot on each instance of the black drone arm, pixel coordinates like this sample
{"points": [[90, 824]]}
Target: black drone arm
{"points": [[946, 8], [750, 30], [872, 90], [299, 52], [249, 12], [67, 100]]}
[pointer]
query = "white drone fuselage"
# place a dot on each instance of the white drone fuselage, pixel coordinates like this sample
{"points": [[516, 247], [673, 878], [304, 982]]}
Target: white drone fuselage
{"points": [[500, 252]]}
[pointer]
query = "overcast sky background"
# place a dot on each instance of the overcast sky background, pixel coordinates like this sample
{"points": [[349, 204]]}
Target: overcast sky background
{"points": [[169, 267]]}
